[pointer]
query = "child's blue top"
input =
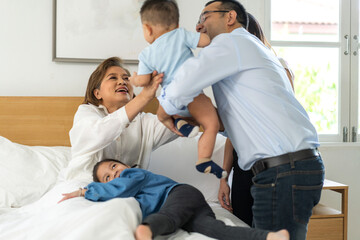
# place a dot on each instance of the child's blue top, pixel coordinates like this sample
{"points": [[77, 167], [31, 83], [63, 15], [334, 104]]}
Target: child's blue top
{"points": [[167, 53], [149, 189]]}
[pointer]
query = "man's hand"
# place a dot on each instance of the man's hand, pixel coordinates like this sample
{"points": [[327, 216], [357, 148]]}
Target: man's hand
{"points": [[224, 195], [167, 120]]}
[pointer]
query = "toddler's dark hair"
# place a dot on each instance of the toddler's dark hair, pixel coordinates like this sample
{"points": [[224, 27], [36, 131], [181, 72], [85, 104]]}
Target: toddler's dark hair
{"points": [[96, 167], [163, 12]]}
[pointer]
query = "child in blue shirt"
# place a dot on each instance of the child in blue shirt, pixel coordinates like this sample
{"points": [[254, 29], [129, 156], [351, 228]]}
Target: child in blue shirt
{"points": [[170, 48], [165, 204]]}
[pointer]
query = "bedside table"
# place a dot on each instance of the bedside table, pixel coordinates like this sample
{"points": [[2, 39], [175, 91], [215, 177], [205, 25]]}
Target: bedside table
{"points": [[327, 223]]}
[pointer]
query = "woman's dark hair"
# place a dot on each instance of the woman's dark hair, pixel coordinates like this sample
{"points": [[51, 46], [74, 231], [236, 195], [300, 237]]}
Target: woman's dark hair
{"points": [[97, 165], [255, 29], [97, 76], [229, 5]]}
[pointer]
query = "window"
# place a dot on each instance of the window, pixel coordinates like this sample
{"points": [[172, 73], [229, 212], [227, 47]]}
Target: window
{"points": [[319, 40]]}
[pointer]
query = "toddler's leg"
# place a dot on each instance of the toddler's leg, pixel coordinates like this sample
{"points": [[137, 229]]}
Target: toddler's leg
{"points": [[180, 205], [205, 114], [186, 128], [204, 222]]}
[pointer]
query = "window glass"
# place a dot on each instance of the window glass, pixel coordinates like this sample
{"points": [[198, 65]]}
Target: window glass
{"points": [[316, 83], [305, 20]]}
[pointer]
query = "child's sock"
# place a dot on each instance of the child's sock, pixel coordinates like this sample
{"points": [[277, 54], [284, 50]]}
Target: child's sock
{"points": [[206, 165], [185, 128]]}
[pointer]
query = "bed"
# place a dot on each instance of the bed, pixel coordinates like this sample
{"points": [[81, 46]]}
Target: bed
{"points": [[35, 148]]}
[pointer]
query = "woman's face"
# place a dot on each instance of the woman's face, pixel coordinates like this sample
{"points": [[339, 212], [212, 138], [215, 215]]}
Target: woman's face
{"points": [[115, 89]]}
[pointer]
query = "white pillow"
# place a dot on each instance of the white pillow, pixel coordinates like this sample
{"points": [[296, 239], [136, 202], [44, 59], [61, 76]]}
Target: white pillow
{"points": [[177, 159], [27, 172]]}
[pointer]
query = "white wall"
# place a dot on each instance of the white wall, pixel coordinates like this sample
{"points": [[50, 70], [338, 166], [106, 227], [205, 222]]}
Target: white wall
{"points": [[26, 69], [342, 164]]}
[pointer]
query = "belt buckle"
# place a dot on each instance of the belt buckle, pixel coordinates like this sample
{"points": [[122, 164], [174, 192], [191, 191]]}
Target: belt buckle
{"points": [[258, 167]]}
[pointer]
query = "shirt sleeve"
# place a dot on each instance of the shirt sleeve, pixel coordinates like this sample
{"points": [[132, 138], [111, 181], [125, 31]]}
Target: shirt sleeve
{"points": [[191, 38], [127, 185], [216, 62], [144, 67], [92, 132]]}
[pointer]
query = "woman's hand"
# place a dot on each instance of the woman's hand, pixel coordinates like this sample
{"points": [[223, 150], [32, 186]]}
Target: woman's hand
{"points": [[78, 193], [132, 79], [149, 90], [136, 105], [224, 195], [167, 120], [140, 80]]}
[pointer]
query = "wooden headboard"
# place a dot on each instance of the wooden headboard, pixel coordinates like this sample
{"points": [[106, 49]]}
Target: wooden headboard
{"points": [[42, 121]]}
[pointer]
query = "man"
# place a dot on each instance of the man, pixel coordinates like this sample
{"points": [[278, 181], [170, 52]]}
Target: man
{"points": [[269, 129]]}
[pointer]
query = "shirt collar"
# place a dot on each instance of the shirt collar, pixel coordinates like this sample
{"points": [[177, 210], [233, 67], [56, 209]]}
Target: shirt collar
{"points": [[102, 107]]}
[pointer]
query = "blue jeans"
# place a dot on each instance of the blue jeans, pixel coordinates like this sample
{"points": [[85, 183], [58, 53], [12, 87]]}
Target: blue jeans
{"points": [[285, 195]]}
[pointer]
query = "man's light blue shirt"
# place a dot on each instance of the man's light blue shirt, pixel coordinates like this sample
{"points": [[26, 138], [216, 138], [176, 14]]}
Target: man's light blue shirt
{"points": [[254, 97]]}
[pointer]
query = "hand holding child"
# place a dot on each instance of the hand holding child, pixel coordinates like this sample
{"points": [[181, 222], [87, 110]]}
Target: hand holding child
{"points": [[145, 80], [133, 80]]}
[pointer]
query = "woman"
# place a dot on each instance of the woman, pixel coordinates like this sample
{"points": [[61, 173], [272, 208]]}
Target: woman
{"points": [[110, 124]]}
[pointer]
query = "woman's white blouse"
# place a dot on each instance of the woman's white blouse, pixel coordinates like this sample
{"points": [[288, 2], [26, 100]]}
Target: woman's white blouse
{"points": [[97, 135]]}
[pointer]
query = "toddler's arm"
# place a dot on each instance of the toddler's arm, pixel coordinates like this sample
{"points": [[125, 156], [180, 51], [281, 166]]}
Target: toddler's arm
{"points": [[78, 193], [140, 80], [204, 40]]}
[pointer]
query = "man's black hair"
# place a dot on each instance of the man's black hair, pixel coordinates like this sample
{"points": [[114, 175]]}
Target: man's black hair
{"points": [[240, 10]]}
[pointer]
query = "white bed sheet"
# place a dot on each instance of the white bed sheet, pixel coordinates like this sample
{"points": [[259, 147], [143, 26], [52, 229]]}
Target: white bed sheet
{"points": [[115, 219], [79, 218]]}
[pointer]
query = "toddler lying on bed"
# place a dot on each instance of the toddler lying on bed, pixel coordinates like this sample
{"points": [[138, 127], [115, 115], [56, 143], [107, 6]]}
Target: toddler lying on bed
{"points": [[165, 204]]}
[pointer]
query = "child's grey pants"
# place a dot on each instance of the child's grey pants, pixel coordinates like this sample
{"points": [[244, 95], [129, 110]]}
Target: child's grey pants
{"points": [[186, 208]]}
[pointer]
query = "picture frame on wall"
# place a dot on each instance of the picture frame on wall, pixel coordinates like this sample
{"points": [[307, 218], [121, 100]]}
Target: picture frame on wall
{"points": [[90, 31], [93, 30]]}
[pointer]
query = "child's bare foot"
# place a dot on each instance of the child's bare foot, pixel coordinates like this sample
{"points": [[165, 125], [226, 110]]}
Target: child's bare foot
{"points": [[279, 235], [143, 232]]}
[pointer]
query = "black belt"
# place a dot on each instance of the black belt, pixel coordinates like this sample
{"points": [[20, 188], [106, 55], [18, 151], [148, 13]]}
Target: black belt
{"points": [[266, 163]]}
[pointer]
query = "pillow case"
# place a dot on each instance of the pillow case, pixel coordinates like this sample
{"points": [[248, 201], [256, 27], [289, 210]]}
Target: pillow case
{"points": [[177, 160], [27, 172]]}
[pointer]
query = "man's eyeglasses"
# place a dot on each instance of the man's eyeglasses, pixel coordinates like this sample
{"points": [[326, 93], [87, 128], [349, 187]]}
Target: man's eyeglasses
{"points": [[202, 17]]}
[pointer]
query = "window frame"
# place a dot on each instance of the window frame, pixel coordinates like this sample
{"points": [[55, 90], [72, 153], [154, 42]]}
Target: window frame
{"points": [[354, 70], [348, 77]]}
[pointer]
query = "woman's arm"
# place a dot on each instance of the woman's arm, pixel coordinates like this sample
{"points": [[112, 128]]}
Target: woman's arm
{"points": [[92, 131], [289, 73], [291, 77], [136, 105]]}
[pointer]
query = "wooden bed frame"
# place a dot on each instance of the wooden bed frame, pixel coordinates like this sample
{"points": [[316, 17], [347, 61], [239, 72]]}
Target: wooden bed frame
{"points": [[42, 121]]}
